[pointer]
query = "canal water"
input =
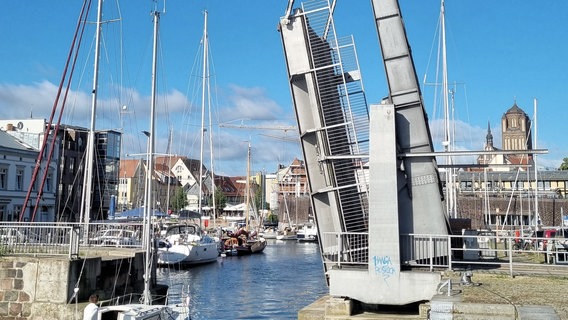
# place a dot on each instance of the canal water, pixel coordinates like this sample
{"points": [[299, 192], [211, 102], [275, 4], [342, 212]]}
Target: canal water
{"points": [[274, 284]]}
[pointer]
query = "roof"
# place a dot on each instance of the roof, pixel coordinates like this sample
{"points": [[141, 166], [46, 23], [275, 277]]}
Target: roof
{"points": [[514, 110], [11, 142], [163, 169], [128, 168], [193, 166], [226, 184], [240, 187], [297, 163], [168, 161]]}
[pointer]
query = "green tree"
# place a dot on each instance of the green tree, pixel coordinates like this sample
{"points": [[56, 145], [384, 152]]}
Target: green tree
{"points": [[259, 199], [564, 165], [179, 199], [220, 201]]}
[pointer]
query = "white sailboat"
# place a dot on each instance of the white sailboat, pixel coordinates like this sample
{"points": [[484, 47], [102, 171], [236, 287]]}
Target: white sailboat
{"points": [[308, 232], [448, 141], [449, 136], [188, 244], [145, 310]]}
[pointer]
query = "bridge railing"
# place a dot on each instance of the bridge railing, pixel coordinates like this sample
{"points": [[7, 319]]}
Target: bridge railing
{"points": [[38, 239], [475, 250], [65, 238], [345, 248]]}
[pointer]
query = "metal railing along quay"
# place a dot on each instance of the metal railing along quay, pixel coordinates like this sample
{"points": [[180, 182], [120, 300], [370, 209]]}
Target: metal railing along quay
{"points": [[60, 239], [479, 250]]}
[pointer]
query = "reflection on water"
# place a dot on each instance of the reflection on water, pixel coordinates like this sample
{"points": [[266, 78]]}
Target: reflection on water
{"points": [[275, 284]]}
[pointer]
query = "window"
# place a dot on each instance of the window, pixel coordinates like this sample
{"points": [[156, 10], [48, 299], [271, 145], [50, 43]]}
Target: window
{"points": [[17, 212], [49, 182], [3, 177], [19, 178], [3, 216]]}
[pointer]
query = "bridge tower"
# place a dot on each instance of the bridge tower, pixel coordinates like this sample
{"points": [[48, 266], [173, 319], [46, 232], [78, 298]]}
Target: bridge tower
{"points": [[373, 178]]}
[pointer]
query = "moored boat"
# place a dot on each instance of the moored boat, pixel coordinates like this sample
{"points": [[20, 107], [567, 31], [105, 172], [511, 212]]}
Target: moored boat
{"points": [[269, 233], [241, 243], [257, 245], [138, 312], [187, 244], [287, 234], [309, 232]]}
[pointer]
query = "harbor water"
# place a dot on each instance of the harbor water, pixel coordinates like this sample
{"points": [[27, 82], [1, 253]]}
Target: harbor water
{"points": [[274, 284]]}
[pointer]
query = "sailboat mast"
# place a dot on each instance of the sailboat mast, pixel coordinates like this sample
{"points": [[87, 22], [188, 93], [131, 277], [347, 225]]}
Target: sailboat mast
{"points": [[85, 214], [203, 101], [536, 215], [211, 159], [150, 168], [448, 140], [247, 206], [169, 166]]}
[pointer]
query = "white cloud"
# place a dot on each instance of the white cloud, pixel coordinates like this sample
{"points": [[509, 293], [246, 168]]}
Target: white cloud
{"points": [[18, 101], [250, 103]]}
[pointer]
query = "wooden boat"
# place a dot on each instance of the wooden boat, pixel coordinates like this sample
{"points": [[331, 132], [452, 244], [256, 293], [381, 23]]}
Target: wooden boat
{"points": [[257, 245], [242, 243]]}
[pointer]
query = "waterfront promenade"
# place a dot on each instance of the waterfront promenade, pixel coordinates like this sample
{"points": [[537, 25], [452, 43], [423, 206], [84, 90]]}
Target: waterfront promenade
{"points": [[40, 284], [491, 295]]}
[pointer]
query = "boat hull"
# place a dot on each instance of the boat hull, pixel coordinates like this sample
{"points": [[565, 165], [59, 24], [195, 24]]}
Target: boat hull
{"points": [[307, 238], [188, 254], [143, 312], [248, 248], [308, 233], [258, 245]]}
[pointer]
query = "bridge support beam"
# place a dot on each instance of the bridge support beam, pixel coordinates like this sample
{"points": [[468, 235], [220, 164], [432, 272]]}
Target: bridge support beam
{"points": [[383, 282]]}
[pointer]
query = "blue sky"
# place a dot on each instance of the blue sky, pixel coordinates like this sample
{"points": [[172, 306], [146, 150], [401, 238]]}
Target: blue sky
{"points": [[499, 52]]}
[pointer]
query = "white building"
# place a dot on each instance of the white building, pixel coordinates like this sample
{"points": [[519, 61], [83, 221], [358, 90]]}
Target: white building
{"points": [[17, 162]]}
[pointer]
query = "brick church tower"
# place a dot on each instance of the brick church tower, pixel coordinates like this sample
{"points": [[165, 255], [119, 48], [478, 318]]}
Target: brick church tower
{"points": [[516, 135]]}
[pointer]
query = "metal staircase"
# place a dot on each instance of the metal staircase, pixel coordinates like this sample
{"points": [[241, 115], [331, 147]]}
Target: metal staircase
{"points": [[333, 119]]}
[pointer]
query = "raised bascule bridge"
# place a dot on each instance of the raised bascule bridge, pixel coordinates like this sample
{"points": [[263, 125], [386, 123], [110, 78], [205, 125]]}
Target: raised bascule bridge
{"points": [[372, 173]]}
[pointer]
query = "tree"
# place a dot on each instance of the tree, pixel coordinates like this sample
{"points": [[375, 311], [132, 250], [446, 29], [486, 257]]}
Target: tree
{"points": [[220, 201], [564, 165], [258, 199], [179, 199]]}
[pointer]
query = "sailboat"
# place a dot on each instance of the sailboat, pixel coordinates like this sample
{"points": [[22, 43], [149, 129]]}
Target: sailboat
{"points": [[244, 242], [255, 242], [448, 141], [289, 232], [308, 232], [186, 243], [145, 310]]}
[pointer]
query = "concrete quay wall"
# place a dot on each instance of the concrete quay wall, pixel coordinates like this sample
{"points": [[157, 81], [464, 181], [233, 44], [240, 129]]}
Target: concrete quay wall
{"points": [[43, 287]]}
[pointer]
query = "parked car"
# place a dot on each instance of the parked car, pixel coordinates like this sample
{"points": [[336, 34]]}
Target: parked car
{"points": [[115, 238], [13, 235]]}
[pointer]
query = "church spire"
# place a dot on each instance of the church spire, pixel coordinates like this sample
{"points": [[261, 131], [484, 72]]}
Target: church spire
{"points": [[489, 137]]}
